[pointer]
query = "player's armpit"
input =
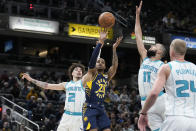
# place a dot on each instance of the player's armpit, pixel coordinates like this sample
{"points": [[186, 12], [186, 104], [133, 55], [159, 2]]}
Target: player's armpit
{"points": [[88, 76]]}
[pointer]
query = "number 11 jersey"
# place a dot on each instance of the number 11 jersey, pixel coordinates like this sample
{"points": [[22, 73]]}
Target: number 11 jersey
{"points": [[147, 75]]}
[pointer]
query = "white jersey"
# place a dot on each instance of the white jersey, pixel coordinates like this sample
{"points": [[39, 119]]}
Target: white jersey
{"points": [[75, 97], [181, 89], [147, 75]]}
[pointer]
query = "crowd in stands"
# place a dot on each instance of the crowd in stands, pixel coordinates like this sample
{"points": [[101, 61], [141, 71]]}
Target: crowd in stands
{"points": [[157, 16], [46, 107]]}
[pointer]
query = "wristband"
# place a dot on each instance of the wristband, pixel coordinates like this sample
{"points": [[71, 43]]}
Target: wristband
{"points": [[143, 113]]}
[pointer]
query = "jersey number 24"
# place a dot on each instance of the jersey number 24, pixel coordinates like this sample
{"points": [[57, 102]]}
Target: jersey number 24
{"points": [[186, 85]]}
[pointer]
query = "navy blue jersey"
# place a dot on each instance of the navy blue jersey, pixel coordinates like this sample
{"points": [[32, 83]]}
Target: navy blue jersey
{"points": [[96, 89]]}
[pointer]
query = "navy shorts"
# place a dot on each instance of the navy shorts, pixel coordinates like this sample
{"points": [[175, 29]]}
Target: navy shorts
{"points": [[95, 117]]}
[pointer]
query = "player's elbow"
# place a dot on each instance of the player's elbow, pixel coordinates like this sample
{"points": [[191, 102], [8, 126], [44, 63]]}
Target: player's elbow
{"points": [[154, 95]]}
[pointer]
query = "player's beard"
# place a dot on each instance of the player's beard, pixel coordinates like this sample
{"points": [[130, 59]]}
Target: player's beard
{"points": [[151, 53]]}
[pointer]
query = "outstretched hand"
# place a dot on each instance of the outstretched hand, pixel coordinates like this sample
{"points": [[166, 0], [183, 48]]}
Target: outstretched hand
{"points": [[138, 9], [26, 76], [119, 39], [103, 32]]}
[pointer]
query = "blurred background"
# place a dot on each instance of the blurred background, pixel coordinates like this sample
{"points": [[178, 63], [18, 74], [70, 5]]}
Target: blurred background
{"points": [[44, 37]]}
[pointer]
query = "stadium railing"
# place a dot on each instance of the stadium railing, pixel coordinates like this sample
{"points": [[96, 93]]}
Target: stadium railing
{"points": [[18, 115]]}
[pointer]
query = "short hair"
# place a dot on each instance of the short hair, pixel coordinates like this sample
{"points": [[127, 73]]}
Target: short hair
{"points": [[72, 67], [179, 46], [163, 49]]}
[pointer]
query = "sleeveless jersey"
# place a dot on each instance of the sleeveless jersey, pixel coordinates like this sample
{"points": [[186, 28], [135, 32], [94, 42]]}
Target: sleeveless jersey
{"points": [[96, 89], [75, 96], [147, 75], [181, 89]]}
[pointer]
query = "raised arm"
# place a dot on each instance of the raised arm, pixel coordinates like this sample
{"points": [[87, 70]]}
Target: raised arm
{"points": [[113, 68], [43, 85], [138, 33], [91, 67]]}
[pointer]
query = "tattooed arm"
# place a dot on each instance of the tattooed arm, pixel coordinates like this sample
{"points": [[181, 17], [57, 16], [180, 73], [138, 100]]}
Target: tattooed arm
{"points": [[44, 84], [113, 68]]}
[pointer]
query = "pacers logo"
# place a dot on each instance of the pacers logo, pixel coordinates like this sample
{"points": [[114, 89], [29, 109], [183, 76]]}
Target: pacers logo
{"points": [[102, 83]]}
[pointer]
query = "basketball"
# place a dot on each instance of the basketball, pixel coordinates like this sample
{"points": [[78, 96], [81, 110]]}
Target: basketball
{"points": [[106, 20]]}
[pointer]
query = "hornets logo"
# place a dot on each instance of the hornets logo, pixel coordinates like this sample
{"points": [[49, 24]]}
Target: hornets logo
{"points": [[102, 83]]}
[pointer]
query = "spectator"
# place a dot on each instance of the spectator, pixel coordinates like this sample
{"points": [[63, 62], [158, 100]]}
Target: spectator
{"points": [[24, 90], [124, 97], [51, 124], [32, 93], [32, 104], [113, 96], [6, 126], [15, 90], [49, 110]]}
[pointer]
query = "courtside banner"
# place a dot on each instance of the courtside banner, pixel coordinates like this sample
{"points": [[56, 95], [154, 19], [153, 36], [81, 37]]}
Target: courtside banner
{"points": [[33, 25], [190, 41], [86, 31]]}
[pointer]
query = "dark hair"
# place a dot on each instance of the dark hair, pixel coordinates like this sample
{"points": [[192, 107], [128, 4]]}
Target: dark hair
{"points": [[163, 54], [72, 67]]}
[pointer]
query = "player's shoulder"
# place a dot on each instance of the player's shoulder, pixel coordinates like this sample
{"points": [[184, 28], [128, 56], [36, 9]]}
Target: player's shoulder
{"points": [[166, 67], [191, 63]]}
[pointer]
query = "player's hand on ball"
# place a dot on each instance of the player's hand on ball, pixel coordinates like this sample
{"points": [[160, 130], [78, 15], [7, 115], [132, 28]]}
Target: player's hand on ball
{"points": [[119, 39], [138, 9], [26, 76], [143, 122]]}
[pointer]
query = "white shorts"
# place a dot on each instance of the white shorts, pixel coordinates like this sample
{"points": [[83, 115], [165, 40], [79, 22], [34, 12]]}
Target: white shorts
{"points": [[70, 123], [156, 114], [179, 123]]}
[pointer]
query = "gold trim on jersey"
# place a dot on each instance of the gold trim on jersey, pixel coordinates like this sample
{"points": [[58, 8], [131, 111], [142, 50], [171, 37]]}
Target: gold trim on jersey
{"points": [[84, 108], [89, 86], [88, 126]]}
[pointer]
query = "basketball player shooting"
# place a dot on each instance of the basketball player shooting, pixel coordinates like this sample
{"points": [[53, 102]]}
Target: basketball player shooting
{"points": [[94, 115], [147, 74]]}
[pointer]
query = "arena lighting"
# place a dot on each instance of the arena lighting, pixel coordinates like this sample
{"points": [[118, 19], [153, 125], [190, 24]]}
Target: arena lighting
{"points": [[30, 5], [43, 53], [41, 26], [28, 68]]}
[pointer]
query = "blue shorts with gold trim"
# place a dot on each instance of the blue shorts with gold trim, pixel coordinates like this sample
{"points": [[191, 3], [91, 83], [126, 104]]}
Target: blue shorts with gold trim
{"points": [[95, 117]]}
